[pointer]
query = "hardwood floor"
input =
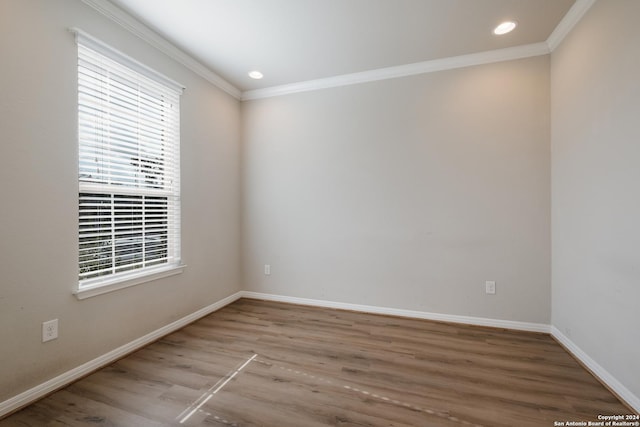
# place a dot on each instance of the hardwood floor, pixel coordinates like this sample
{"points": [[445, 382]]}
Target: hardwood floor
{"points": [[257, 363]]}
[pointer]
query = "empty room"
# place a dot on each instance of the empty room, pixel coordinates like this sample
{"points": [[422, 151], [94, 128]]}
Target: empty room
{"points": [[320, 213]]}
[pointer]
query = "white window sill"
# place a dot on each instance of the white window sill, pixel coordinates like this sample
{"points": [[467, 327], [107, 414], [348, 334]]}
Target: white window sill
{"points": [[126, 281]]}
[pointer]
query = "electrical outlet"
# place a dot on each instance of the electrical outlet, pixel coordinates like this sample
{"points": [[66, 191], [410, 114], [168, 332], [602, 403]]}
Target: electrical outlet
{"points": [[267, 269], [49, 330], [490, 287]]}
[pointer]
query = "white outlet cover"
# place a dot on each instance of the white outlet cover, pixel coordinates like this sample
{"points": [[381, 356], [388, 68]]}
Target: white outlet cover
{"points": [[490, 287], [49, 330], [267, 269]]}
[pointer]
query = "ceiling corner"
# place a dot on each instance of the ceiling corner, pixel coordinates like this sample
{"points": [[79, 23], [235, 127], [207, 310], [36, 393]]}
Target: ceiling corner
{"points": [[140, 30], [573, 16]]}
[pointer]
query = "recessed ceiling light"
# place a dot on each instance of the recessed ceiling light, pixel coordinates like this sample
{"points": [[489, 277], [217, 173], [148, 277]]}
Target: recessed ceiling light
{"points": [[255, 74], [504, 28]]}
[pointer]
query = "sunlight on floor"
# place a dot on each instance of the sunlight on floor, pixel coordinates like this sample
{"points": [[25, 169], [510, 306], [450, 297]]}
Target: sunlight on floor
{"points": [[195, 406]]}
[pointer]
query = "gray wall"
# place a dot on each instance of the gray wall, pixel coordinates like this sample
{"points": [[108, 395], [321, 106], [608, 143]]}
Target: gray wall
{"points": [[407, 193], [595, 77], [39, 208]]}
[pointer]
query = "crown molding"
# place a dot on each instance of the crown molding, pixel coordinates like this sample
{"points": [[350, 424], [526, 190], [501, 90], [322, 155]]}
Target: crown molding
{"points": [[134, 26], [507, 54], [573, 16]]}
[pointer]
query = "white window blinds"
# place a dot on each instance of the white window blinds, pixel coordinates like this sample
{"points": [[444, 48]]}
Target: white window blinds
{"points": [[129, 166]]}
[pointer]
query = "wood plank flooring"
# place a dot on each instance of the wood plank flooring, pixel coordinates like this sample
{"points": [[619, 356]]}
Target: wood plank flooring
{"points": [[257, 363]]}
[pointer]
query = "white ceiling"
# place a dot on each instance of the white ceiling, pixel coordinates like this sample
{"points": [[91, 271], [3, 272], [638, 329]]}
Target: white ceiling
{"points": [[292, 41]]}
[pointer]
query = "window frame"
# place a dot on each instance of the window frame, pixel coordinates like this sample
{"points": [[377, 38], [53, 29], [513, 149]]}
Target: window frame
{"points": [[109, 282]]}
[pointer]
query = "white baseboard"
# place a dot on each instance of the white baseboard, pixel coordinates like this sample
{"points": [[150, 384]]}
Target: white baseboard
{"points": [[74, 374], [479, 321], [602, 374], [616, 386], [68, 377]]}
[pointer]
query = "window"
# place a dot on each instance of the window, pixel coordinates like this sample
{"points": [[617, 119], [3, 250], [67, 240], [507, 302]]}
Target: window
{"points": [[129, 170]]}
